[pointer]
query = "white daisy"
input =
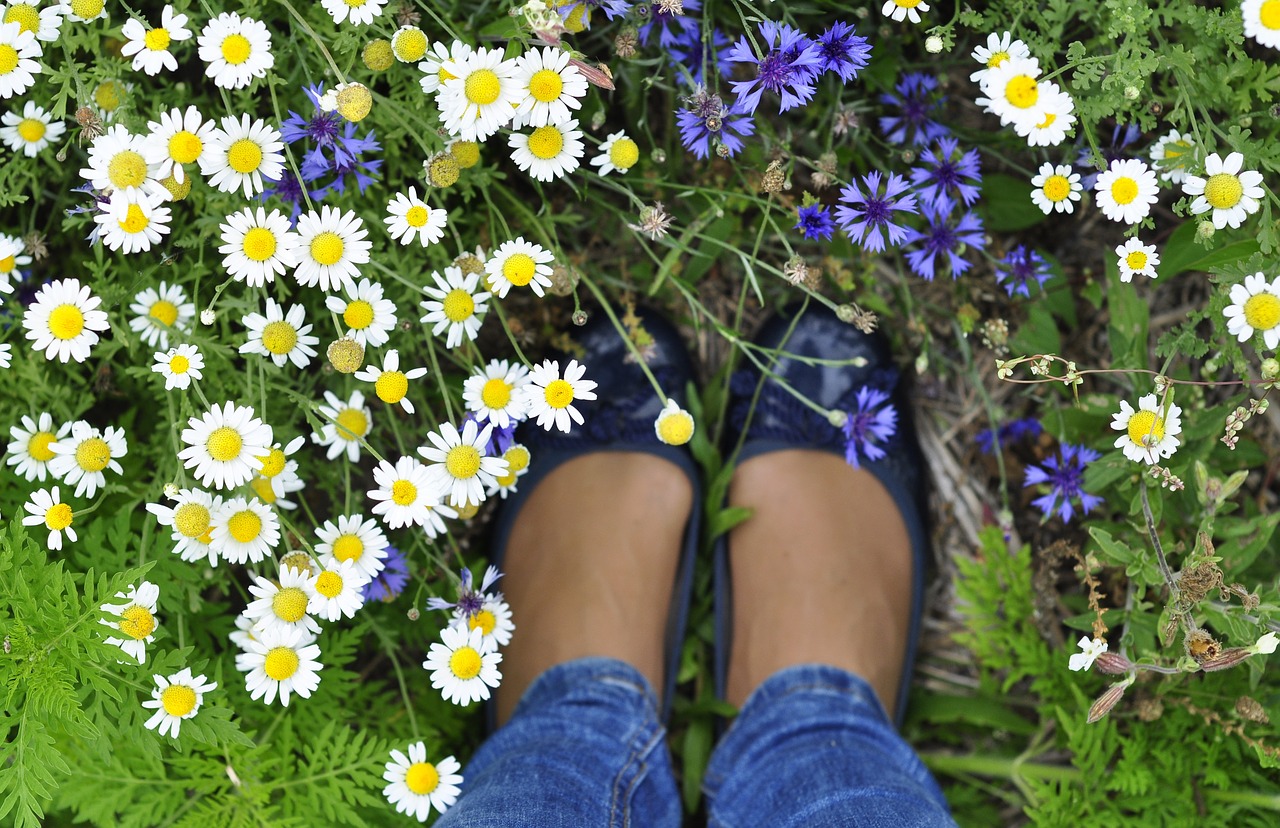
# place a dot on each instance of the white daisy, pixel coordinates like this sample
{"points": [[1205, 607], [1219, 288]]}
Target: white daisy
{"points": [[109, 96], [998, 49], [1126, 191], [519, 263], [505, 484], [64, 320], [118, 162], [44, 21], [1172, 156], [191, 519], [404, 494], [493, 619], [241, 153], [244, 530], [353, 539], [389, 382], [455, 305], [459, 667], [6, 355], [159, 311], [1137, 259], [552, 87], [150, 47], [548, 152], [458, 464], [138, 621], [493, 393], [257, 246], [1012, 91], [1255, 307], [30, 450], [282, 606], [409, 44], [135, 222], [177, 139], [46, 507], [1262, 21], [904, 9], [1056, 110], [283, 337], [20, 55], [330, 247], [368, 316], [1232, 195], [359, 12], [346, 424], [337, 591], [410, 217], [673, 425], [280, 661], [31, 131], [550, 398], [80, 458], [432, 66], [618, 153], [237, 50], [1149, 433], [175, 698], [480, 97], [1056, 188], [415, 786], [12, 257], [179, 366], [279, 472], [225, 445], [82, 11]]}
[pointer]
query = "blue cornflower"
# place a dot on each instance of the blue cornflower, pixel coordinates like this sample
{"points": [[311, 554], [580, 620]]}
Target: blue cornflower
{"points": [[470, 601], [946, 176], [1007, 433], [815, 222], [346, 161], [1063, 475], [392, 580], [705, 118], [944, 236], [842, 51], [872, 422], [690, 52], [788, 69], [1121, 137], [670, 24], [1016, 270], [332, 150], [916, 97], [500, 439], [864, 210], [289, 190], [322, 128]]}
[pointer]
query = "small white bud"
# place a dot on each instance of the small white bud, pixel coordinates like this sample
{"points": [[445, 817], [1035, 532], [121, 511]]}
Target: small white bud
{"points": [[207, 316], [933, 45]]}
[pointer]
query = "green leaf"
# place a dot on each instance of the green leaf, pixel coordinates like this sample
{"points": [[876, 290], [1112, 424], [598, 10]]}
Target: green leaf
{"points": [[1182, 252], [725, 519], [1006, 203]]}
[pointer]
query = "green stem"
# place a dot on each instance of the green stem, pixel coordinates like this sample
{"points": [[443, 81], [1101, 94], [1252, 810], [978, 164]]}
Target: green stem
{"points": [[1004, 767]]}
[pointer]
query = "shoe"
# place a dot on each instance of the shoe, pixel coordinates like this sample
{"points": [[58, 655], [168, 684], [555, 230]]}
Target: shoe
{"points": [[621, 419], [780, 422]]}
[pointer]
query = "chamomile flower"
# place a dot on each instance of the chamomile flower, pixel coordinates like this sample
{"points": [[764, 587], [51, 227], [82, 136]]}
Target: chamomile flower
{"points": [[1150, 434], [283, 337], [241, 153], [21, 54], [244, 530], [1255, 307], [133, 222], [409, 217], [459, 667], [998, 49], [548, 152], [415, 786], [279, 472], [1137, 259], [150, 47], [552, 87], [6, 355], [432, 66], [1013, 93], [900, 10], [505, 484], [280, 662], [457, 462], [82, 11], [409, 44], [118, 162], [179, 366], [30, 450], [550, 397], [618, 153], [281, 606], [46, 507], [257, 246], [674, 426], [157, 311], [1056, 110], [359, 12], [1231, 194], [1056, 188], [237, 50], [493, 619], [191, 520], [337, 591], [12, 257], [493, 393], [1262, 22], [346, 424], [1126, 191], [331, 246], [81, 457], [369, 316], [390, 384], [138, 622], [31, 131], [177, 139], [45, 21], [518, 263], [1172, 156], [175, 698], [224, 446], [353, 539], [405, 493], [481, 95], [64, 320], [455, 306]]}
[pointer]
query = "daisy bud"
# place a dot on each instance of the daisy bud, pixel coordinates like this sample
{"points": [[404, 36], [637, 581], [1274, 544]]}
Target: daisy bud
{"points": [[413, 614], [442, 170], [354, 101], [300, 561], [171, 490], [1205, 230], [466, 153], [207, 316], [409, 44], [1270, 368], [345, 355], [378, 55], [674, 426], [837, 418], [178, 191], [468, 510], [1131, 93], [933, 44], [580, 317]]}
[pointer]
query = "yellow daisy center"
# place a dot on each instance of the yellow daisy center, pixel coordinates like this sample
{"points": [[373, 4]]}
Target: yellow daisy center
{"points": [[1145, 428], [164, 312], [1269, 14], [281, 663], [135, 221], [300, 561], [26, 16], [506, 480], [358, 315], [191, 520], [1262, 311], [484, 620], [996, 59], [329, 584], [421, 778], [624, 153], [458, 305], [906, 4], [244, 156], [463, 461], [1022, 91], [38, 446], [8, 263], [578, 19], [262, 488], [58, 517], [178, 364], [185, 147], [289, 604], [1049, 118], [355, 4], [259, 244], [466, 153], [1223, 191], [88, 9], [273, 462], [126, 169], [1124, 190], [31, 129], [244, 525], [465, 663], [545, 85], [676, 429], [93, 454], [348, 548], [416, 216], [109, 95], [546, 142], [279, 337], [482, 87], [391, 386], [351, 423], [496, 394], [403, 492], [517, 458], [157, 40], [137, 622], [519, 269], [66, 322], [8, 58], [327, 248], [236, 49], [178, 700], [559, 393], [1057, 188], [224, 444], [410, 45], [1136, 260]]}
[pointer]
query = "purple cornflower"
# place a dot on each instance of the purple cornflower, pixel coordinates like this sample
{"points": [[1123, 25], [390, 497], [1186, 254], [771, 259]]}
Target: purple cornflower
{"points": [[332, 149], [1016, 270], [865, 210], [916, 97], [288, 189], [1063, 475], [500, 439], [842, 51], [788, 69], [705, 118], [873, 422], [670, 25], [1121, 137], [690, 52], [990, 443], [815, 222], [944, 236], [346, 161], [391, 581], [946, 176], [470, 601], [322, 129]]}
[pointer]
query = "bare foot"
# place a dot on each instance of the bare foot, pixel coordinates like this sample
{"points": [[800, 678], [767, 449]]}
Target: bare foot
{"points": [[590, 566], [821, 573]]}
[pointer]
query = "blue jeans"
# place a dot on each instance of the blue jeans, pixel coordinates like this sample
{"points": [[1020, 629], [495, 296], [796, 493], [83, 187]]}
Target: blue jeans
{"points": [[585, 747]]}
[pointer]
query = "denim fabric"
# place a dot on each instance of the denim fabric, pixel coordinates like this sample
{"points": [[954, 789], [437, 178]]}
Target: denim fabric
{"points": [[813, 747]]}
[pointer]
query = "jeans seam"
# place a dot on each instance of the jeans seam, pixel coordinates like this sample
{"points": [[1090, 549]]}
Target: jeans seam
{"points": [[624, 784]]}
